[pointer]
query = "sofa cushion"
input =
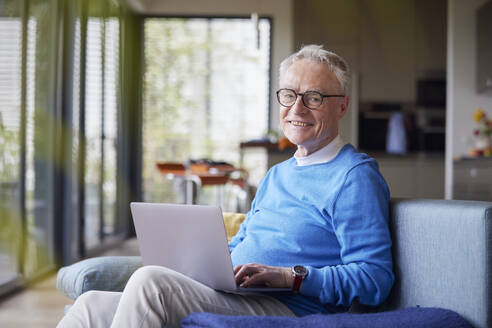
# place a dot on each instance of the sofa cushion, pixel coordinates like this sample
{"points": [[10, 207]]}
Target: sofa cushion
{"points": [[232, 221], [109, 273], [416, 317]]}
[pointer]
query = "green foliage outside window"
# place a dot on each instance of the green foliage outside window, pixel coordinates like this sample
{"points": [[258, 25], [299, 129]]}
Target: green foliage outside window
{"points": [[205, 91]]}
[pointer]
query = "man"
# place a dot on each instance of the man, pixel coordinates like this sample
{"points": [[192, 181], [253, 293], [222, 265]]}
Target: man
{"points": [[318, 224]]}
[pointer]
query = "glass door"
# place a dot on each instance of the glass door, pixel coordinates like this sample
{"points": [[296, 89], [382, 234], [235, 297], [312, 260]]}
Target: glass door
{"points": [[40, 88], [100, 123], [10, 138], [206, 90]]}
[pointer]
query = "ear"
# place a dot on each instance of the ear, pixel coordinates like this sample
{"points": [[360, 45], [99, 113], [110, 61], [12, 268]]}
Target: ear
{"points": [[343, 107]]}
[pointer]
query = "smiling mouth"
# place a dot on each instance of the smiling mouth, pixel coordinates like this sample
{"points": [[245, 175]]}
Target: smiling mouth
{"points": [[298, 123]]}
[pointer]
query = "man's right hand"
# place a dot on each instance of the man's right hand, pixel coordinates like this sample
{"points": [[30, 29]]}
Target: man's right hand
{"points": [[254, 274]]}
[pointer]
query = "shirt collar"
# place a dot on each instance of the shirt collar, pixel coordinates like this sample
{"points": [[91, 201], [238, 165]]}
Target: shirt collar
{"points": [[323, 155]]}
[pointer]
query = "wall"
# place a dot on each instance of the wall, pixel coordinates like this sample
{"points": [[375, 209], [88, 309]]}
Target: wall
{"points": [[462, 99], [389, 44], [413, 177], [279, 10]]}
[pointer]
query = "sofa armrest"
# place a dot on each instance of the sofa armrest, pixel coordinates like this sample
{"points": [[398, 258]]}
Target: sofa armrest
{"points": [[442, 257], [109, 273]]}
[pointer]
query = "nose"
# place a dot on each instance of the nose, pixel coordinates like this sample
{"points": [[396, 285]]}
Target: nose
{"points": [[298, 107]]}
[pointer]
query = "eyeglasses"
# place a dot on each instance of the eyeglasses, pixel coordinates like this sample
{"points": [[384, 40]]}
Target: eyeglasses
{"points": [[310, 99]]}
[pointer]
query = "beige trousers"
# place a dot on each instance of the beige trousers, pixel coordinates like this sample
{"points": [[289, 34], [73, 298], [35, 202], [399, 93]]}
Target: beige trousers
{"points": [[160, 297]]}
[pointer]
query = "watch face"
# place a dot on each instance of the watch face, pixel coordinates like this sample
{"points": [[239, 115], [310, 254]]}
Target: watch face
{"points": [[299, 270]]}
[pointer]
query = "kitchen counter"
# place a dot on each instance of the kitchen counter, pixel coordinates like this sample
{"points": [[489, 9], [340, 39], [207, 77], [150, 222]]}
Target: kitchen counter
{"points": [[472, 178], [413, 175]]}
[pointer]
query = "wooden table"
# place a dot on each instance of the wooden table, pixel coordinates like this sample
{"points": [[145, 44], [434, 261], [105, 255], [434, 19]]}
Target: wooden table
{"points": [[201, 174]]}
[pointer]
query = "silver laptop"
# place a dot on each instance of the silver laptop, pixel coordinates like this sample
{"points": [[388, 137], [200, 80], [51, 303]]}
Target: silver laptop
{"points": [[189, 239]]}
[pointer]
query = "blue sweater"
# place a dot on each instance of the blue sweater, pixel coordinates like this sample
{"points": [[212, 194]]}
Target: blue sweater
{"points": [[330, 217]]}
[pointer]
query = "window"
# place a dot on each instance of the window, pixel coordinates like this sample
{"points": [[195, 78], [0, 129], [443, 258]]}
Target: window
{"points": [[59, 114], [93, 131], [111, 105], [101, 104], [40, 118], [27, 77], [10, 145], [206, 89], [73, 183]]}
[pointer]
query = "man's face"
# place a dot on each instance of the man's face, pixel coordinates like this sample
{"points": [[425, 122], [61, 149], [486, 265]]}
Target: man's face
{"points": [[310, 129]]}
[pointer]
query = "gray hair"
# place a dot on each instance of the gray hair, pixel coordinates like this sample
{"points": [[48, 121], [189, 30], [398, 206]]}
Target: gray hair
{"points": [[316, 53]]}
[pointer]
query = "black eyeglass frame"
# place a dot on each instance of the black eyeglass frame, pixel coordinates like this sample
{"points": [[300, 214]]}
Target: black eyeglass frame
{"points": [[302, 97]]}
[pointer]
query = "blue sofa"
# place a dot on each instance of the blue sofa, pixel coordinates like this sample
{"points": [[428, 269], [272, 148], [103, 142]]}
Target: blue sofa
{"points": [[442, 259]]}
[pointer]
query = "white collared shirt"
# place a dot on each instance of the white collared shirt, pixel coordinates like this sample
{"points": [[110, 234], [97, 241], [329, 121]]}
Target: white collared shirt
{"points": [[323, 155]]}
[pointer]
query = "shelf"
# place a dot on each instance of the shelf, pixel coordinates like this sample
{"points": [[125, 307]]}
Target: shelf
{"points": [[433, 129]]}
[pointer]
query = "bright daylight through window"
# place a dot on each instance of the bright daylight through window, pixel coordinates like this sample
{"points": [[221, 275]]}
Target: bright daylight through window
{"points": [[10, 122], [206, 90]]}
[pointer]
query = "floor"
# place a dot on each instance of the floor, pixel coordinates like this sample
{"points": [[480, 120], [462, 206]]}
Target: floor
{"points": [[42, 305]]}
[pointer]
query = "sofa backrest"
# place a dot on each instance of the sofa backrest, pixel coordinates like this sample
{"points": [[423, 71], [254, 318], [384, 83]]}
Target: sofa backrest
{"points": [[442, 256]]}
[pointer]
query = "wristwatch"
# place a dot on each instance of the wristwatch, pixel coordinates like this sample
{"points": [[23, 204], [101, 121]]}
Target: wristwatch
{"points": [[299, 273]]}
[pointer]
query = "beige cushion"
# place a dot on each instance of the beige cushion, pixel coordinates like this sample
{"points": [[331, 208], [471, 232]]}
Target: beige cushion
{"points": [[232, 221]]}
